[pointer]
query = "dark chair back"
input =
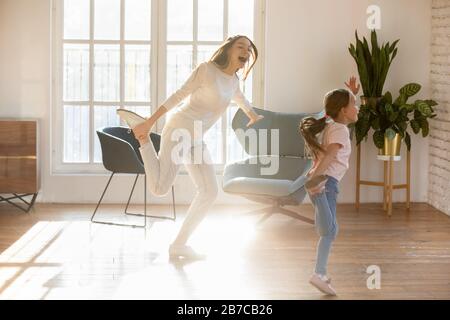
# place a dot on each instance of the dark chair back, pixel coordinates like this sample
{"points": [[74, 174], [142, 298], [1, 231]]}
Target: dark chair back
{"points": [[120, 150]]}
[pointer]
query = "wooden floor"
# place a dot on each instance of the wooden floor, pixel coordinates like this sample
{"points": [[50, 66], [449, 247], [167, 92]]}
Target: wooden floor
{"points": [[54, 252]]}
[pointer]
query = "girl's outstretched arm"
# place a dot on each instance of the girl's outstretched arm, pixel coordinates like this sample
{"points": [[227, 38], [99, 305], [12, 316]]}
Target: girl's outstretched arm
{"points": [[324, 162], [314, 166]]}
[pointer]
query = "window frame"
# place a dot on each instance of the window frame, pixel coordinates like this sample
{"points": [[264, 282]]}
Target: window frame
{"points": [[158, 62]]}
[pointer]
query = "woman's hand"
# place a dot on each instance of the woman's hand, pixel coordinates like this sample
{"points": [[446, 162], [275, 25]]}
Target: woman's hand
{"points": [[253, 119], [142, 130], [352, 85]]}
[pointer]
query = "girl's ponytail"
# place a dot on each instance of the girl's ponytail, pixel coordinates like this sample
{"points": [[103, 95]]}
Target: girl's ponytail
{"points": [[309, 127]]}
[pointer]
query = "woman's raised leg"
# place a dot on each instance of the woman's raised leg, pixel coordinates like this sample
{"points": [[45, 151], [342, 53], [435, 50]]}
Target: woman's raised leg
{"points": [[160, 169]]}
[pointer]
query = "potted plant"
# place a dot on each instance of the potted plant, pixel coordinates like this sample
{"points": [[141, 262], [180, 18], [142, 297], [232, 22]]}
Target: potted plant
{"points": [[390, 118], [373, 65]]}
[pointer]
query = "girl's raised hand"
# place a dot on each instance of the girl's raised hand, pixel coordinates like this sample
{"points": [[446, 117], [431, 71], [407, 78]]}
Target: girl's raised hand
{"points": [[352, 85]]}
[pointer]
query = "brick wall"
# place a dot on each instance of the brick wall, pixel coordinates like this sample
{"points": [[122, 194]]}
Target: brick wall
{"points": [[439, 143]]}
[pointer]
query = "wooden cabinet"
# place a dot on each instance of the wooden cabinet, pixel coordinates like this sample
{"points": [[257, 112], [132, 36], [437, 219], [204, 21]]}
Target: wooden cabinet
{"points": [[19, 170]]}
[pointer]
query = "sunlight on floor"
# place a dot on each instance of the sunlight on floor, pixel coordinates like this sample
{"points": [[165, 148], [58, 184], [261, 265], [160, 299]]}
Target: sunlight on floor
{"points": [[77, 259]]}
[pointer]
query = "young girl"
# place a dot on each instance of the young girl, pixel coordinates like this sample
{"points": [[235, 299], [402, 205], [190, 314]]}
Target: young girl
{"points": [[330, 164], [210, 88]]}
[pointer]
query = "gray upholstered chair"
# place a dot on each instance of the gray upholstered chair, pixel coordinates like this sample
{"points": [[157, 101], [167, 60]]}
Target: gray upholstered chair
{"points": [[246, 177], [120, 154]]}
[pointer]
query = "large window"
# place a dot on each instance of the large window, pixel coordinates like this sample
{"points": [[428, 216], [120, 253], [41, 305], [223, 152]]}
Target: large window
{"points": [[133, 54]]}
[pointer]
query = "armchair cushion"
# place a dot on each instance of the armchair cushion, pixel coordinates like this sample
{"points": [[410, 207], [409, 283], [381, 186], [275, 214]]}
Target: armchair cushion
{"points": [[245, 177]]}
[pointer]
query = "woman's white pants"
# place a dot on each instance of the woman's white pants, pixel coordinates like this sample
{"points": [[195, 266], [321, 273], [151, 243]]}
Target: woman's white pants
{"points": [[161, 170]]}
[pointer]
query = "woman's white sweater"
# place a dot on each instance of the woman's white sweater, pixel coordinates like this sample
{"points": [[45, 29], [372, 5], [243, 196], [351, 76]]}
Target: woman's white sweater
{"points": [[210, 91]]}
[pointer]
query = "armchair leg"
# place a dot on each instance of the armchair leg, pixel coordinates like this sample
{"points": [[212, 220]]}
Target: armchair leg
{"points": [[266, 212], [145, 204], [295, 215], [173, 204], [113, 223], [265, 217], [276, 208], [131, 193]]}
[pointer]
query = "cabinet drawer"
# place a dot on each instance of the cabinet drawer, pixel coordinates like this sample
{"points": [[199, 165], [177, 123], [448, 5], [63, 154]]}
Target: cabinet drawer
{"points": [[18, 157]]}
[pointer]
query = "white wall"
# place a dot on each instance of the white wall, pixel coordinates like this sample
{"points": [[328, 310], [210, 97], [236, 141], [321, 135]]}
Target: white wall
{"points": [[306, 55]]}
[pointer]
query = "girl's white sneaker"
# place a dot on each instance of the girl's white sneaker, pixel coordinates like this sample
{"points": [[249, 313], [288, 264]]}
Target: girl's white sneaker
{"points": [[323, 283], [131, 118]]}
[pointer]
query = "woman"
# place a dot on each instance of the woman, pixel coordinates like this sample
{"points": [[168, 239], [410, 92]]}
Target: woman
{"points": [[210, 87]]}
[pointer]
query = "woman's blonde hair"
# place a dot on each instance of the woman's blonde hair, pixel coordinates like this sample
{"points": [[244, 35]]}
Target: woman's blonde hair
{"points": [[220, 57], [309, 127]]}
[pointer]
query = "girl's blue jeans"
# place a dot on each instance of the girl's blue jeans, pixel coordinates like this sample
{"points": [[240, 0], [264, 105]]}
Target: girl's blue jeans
{"points": [[326, 224]]}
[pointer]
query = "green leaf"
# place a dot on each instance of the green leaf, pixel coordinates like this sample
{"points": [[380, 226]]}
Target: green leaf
{"points": [[390, 133], [373, 36], [364, 109], [423, 108], [362, 68], [431, 103], [361, 132], [388, 97], [417, 114], [408, 107], [415, 126], [403, 117], [393, 116], [352, 53], [394, 54], [408, 141], [403, 125], [410, 89], [376, 123], [392, 47], [378, 139], [389, 109], [362, 126], [401, 100], [425, 128], [352, 48], [381, 72]]}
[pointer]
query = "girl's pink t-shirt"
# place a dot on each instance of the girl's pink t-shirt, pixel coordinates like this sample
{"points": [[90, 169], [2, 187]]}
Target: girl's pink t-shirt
{"points": [[336, 132]]}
